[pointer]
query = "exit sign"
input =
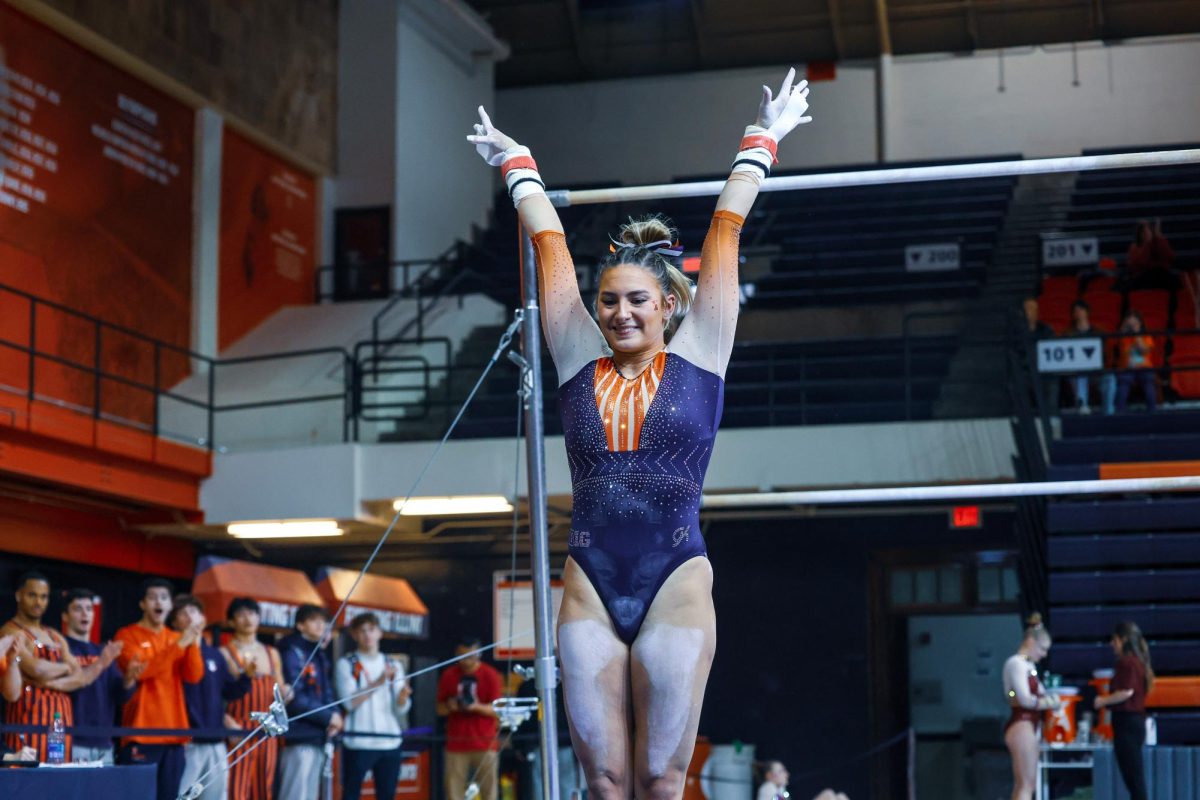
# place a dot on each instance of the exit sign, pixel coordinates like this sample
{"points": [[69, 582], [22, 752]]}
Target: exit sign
{"points": [[966, 517]]}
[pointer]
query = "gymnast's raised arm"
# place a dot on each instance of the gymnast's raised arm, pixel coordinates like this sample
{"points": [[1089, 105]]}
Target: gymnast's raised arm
{"points": [[705, 336], [571, 333]]}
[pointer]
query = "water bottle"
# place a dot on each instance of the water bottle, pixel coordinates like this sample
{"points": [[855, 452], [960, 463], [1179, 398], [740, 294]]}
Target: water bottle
{"points": [[56, 742]]}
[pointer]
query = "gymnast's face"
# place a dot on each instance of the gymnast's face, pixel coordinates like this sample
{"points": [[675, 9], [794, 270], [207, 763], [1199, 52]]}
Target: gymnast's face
{"points": [[632, 310]]}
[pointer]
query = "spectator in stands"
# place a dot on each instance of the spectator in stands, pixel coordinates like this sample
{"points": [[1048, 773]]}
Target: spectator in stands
{"points": [[1150, 259], [465, 694], [206, 755], [1135, 362], [253, 777], [97, 705], [1028, 698], [312, 687], [1132, 681], [47, 667], [1081, 326], [1036, 330], [377, 711], [169, 659]]}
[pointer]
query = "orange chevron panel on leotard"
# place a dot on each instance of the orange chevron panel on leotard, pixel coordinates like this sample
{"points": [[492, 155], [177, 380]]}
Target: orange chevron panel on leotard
{"points": [[623, 402]]}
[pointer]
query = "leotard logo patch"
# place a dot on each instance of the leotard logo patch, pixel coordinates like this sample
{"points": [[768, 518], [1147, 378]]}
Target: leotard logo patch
{"points": [[680, 536], [579, 539]]}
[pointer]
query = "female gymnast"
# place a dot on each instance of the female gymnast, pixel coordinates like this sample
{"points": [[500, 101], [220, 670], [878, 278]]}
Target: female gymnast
{"points": [[1028, 698], [641, 389]]}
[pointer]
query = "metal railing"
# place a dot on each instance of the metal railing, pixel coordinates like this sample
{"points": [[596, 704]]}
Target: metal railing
{"points": [[164, 381]]}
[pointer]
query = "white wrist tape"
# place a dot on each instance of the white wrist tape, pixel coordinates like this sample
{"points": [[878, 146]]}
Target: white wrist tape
{"points": [[520, 174]]}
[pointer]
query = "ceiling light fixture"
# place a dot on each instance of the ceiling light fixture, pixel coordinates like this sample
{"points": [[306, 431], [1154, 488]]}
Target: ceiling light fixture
{"points": [[284, 529], [443, 506]]}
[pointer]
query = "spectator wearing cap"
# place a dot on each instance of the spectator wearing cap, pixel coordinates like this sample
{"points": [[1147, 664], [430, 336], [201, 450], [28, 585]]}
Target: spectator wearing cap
{"points": [[307, 670]]}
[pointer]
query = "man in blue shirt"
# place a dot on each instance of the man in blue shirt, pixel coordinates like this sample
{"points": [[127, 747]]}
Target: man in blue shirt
{"points": [[205, 755], [300, 765], [97, 705]]}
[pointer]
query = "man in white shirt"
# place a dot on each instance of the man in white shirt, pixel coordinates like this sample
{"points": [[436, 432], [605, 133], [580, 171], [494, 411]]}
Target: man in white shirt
{"points": [[383, 696]]}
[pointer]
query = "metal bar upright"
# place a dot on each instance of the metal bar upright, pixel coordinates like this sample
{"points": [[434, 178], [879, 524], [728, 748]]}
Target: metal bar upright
{"points": [[546, 672]]}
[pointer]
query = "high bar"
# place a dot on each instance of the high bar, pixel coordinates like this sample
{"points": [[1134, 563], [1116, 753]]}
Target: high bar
{"points": [[875, 177], [977, 491]]}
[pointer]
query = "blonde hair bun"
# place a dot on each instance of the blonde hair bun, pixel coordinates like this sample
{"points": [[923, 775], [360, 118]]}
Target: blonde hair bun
{"points": [[645, 230]]}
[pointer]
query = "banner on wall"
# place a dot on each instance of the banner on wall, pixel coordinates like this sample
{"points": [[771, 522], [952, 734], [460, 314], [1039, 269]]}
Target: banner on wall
{"points": [[95, 214], [268, 236]]}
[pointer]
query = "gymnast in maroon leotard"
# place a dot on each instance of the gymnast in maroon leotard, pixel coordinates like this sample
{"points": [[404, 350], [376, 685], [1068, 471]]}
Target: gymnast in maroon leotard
{"points": [[641, 386], [1028, 699]]}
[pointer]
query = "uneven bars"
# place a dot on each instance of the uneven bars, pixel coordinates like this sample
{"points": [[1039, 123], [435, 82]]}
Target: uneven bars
{"points": [[873, 177], [961, 492]]}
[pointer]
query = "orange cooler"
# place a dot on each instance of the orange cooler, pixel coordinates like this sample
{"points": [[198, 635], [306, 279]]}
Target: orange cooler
{"points": [[1102, 682], [1059, 725]]}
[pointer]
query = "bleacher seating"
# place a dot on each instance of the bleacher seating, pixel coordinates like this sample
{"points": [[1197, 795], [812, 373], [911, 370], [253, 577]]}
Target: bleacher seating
{"points": [[1108, 203], [787, 383], [842, 246], [1127, 557]]}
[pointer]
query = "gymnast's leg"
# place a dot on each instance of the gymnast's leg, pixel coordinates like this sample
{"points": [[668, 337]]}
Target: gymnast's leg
{"points": [[595, 674], [671, 658]]}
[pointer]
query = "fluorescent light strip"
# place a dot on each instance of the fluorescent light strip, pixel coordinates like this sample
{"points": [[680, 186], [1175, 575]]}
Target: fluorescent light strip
{"points": [[445, 506], [284, 529]]}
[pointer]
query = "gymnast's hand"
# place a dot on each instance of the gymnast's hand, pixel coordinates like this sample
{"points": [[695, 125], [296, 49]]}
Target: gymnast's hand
{"points": [[490, 142], [781, 113]]}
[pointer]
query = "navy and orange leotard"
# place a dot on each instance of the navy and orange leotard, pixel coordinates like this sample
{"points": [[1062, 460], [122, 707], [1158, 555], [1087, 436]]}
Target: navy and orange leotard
{"points": [[638, 448]]}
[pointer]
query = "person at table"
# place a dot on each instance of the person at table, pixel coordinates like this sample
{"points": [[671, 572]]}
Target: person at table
{"points": [[167, 660], [205, 757], [48, 670], [97, 705], [1132, 680], [1028, 698]]}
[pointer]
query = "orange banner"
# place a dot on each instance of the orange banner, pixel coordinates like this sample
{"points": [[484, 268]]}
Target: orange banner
{"points": [[95, 214], [268, 237]]}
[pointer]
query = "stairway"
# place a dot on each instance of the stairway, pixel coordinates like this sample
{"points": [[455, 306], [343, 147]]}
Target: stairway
{"points": [[977, 382], [1122, 557]]}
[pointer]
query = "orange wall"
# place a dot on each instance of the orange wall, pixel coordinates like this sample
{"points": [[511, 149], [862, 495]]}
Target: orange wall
{"points": [[46, 531], [95, 213], [268, 237]]}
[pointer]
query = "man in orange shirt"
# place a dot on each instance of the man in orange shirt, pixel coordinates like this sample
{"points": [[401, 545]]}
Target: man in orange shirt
{"points": [[169, 660]]}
